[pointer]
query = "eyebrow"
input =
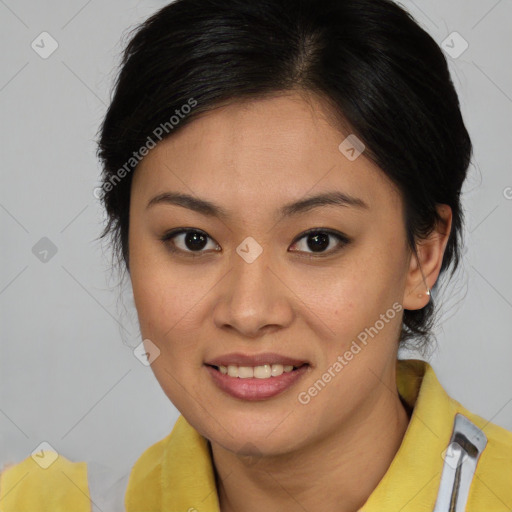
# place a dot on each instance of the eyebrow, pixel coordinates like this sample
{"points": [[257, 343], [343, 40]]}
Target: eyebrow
{"points": [[210, 209]]}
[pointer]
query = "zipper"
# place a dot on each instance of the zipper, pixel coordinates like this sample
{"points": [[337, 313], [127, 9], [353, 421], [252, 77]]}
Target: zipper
{"points": [[460, 460]]}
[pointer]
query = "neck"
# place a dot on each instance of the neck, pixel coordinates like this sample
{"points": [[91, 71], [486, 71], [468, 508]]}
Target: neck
{"points": [[339, 472]]}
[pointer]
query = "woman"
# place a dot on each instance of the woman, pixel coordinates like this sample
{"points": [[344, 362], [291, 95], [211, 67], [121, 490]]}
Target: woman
{"points": [[282, 180]]}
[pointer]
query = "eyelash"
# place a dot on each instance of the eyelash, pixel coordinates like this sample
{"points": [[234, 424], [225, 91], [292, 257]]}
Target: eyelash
{"points": [[343, 239]]}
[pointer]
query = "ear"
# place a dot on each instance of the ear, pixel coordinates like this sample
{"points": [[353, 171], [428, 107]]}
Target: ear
{"points": [[425, 267]]}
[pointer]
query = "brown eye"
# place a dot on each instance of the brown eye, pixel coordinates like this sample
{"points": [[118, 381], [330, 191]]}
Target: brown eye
{"points": [[187, 241], [319, 240]]}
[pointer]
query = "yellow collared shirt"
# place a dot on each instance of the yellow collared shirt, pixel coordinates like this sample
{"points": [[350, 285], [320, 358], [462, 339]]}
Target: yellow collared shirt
{"points": [[450, 460]]}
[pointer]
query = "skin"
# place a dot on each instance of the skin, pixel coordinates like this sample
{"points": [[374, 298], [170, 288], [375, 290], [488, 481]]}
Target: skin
{"points": [[251, 158]]}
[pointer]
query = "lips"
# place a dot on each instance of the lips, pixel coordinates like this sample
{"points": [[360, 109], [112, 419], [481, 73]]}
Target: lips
{"points": [[286, 372], [253, 389]]}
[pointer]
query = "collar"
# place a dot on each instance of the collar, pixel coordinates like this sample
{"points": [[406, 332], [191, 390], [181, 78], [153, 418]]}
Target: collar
{"points": [[177, 472]]}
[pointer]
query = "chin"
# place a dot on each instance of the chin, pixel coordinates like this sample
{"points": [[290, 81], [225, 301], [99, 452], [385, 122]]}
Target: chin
{"points": [[255, 433]]}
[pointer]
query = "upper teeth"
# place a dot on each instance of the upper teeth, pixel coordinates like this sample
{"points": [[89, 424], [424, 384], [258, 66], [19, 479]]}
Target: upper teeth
{"points": [[260, 372]]}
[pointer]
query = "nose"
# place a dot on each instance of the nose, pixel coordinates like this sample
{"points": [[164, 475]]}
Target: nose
{"points": [[253, 299]]}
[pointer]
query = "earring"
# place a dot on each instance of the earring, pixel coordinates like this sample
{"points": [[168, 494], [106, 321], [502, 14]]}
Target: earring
{"points": [[426, 293]]}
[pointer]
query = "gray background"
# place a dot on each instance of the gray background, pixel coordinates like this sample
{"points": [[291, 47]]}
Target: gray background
{"points": [[68, 373]]}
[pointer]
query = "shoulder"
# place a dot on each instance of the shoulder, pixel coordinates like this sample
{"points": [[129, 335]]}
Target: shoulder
{"points": [[499, 440], [494, 441], [173, 473], [143, 490], [476, 453], [149, 465], [45, 478], [491, 485], [55, 483]]}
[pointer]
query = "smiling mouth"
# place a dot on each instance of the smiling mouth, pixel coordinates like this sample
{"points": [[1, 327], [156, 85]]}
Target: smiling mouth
{"points": [[264, 371], [252, 383]]}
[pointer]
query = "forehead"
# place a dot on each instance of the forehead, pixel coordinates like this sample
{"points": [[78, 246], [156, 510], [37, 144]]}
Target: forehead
{"points": [[254, 152]]}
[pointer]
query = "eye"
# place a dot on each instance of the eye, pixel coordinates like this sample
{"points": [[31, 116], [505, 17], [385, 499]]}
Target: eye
{"points": [[187, 241], [192, 242], [318, 240]]}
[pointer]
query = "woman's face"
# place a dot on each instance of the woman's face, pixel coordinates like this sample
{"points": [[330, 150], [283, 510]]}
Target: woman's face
{"points": [[249, 282]]}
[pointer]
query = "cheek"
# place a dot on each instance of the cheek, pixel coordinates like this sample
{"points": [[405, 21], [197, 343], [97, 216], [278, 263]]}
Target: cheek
{"points": [[160, 297], [167, 303], [167, 298], [343, 300]]}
